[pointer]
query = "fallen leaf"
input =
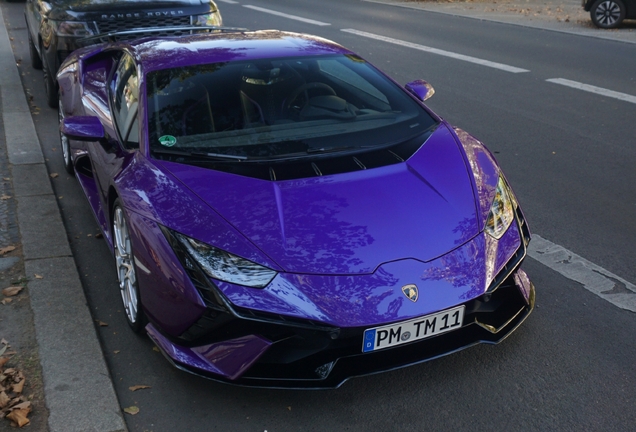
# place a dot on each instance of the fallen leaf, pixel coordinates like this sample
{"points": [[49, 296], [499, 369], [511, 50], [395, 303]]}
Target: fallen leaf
{"points": [[116, 352], [37, 276], [4, 399], [6, 301], [54, 175], [5, 197], [138, 387], [132, 410], [3, 349], [98, 235], [12, 290], [89, 235], [3, 361], [23, 405], [101, 323], [6, 249], [289, 408], [17, 388], [6, 178], [155, 349], [19, 417]]}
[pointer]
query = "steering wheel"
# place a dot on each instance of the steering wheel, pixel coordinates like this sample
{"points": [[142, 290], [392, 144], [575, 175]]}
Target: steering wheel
{"points": [[303, 88]]}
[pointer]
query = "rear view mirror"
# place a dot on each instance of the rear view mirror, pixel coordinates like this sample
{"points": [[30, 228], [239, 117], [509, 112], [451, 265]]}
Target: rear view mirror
{"points": [[82, 128], [420, 89]]}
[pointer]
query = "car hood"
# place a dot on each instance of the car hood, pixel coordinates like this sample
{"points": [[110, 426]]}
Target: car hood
{"points": [[350, 223]]}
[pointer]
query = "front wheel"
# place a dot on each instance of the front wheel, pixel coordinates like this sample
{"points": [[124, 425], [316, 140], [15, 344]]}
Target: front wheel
{"points": [[36, 61], [126, 273], [607, 14]]}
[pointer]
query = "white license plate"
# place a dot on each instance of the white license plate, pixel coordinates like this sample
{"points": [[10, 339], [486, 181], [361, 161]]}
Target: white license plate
{"points": [[408, 331]]}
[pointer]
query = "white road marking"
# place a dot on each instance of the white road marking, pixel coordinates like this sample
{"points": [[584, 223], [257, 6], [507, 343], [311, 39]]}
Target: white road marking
{"points": [[593, 89], [595, 279], [284, 15], [228, 1], [456, 56]]}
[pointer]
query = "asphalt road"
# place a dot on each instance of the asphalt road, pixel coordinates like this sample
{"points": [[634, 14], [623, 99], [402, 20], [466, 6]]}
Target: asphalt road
{"points": [[569, 155]]}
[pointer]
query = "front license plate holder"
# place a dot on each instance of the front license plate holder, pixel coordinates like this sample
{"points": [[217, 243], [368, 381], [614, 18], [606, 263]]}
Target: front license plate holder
{"points": [[391, 335]]}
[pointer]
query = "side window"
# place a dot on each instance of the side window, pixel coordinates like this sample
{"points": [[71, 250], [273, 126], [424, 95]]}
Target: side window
{"points": [[125, 101]]}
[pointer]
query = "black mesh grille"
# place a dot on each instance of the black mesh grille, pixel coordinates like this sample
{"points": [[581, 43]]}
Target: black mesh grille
{"points": [[108, 26]]}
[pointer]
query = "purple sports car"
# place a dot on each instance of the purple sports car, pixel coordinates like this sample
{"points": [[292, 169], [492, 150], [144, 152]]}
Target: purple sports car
{"points": [[283, 214]]}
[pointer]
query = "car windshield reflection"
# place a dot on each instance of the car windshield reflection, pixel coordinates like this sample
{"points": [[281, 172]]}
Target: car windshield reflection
{"points": [[268, 109]]}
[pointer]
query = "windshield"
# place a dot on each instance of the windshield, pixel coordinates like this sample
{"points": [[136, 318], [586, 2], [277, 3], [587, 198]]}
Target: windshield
{"points": [[278, 108]]}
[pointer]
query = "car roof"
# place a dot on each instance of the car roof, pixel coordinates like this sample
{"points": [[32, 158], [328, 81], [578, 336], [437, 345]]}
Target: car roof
{"points": [[155, 53]]}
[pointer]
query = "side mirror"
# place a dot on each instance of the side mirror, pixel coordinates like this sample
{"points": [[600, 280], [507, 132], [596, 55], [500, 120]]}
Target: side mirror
{"points": [[420, 89], [82, 128]]}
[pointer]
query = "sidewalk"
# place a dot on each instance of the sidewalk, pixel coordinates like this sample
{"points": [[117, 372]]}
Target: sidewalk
{"points": [[565, 16], [49, 324], [76, 385]]}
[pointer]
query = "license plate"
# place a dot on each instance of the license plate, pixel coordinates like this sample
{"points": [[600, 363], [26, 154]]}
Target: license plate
{"points": [[408, 331]]}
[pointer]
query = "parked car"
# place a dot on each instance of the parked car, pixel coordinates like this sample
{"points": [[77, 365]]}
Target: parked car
{"points": [[58, 27], [609, 14], [281, 213]]}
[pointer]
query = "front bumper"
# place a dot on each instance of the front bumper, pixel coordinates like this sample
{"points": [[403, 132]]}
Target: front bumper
{"points": [[236, 342], [327, 357]]}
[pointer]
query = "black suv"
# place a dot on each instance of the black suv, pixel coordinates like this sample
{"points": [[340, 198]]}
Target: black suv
{"points": [[609, 14], [57, 27]]}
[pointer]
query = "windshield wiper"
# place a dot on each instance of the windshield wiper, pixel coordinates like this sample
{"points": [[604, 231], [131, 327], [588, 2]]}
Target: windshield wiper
{"points": [[214, 156], [331, 149]]}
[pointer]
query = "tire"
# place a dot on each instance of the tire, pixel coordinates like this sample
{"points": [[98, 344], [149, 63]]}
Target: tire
{"points": [[66, 148], [36, 61], [50, 85], [126, 270], [607, 14]]}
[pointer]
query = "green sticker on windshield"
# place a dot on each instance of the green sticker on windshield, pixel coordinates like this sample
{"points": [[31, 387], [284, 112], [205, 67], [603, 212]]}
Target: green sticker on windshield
{"points": [[167, 140]]}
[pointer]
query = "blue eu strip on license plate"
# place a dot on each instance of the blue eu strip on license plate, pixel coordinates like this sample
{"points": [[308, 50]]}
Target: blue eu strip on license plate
{"points": [[415, 329]]}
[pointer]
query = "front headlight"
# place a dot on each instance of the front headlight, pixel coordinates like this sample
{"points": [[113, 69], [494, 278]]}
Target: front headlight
{"points": [[222, 265], [210, 19], [73, 28], [501, 212]]}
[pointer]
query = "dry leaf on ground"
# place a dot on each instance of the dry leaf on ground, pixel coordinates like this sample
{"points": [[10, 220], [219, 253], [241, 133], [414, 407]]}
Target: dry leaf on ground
{"points": [[138, 387], [37, 276], [101, 323], [6, 249], [17, 388], [6, 301], [19, 416], [5, 197], [4, 399], [132, 410], [53, 175], [12, 290]]}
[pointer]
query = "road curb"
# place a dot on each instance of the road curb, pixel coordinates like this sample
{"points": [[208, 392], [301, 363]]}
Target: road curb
{"points": [[78, 390]]}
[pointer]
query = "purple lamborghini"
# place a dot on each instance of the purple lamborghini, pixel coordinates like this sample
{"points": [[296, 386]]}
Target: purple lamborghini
{"points": [[283, 214]]}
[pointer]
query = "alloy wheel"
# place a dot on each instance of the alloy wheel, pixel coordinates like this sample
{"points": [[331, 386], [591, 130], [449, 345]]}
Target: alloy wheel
{"points": [[125, 267], [608, 13]]}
